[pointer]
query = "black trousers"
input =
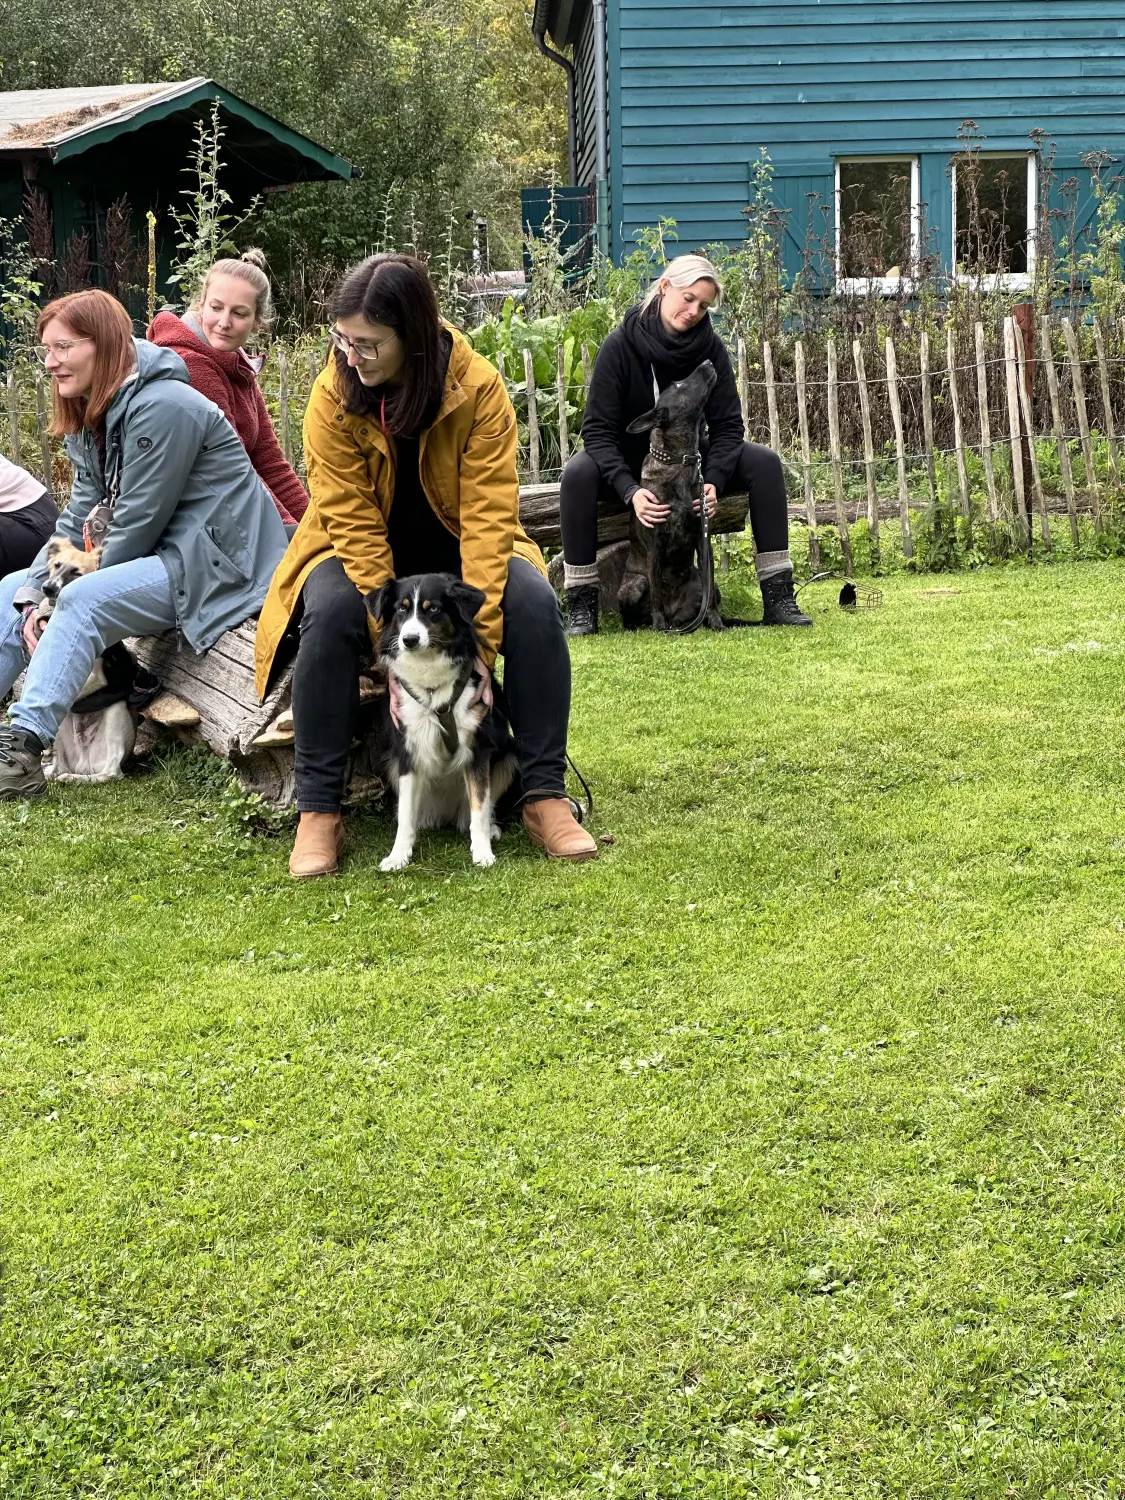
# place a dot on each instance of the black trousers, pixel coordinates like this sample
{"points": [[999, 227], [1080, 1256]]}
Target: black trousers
{"points": [[23, 532], [333, 641], [758, 473]]}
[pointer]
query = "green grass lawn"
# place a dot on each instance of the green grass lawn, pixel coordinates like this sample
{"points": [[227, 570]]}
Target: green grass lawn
{"points": [[778, 1153]]}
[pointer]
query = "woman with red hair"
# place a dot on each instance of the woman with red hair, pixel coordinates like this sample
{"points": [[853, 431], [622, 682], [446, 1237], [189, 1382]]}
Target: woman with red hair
{"points": [[186, 533]]}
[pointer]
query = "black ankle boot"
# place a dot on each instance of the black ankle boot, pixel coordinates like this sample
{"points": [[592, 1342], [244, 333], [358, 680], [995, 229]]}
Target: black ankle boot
{"points": [[779, 603], [21, 764], [582, 607]]}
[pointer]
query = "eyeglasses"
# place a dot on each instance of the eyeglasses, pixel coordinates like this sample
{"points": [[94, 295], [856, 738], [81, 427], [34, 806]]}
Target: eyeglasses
{"points": [[60, 350], [366, 350]]}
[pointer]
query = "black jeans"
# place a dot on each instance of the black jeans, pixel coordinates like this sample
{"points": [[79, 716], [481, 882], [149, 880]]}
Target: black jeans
{"points": [[334, 640], [758, 473], [23, 532]]}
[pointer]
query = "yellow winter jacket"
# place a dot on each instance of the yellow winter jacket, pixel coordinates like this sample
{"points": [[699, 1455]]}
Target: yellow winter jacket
{"points": [[468, 473]]}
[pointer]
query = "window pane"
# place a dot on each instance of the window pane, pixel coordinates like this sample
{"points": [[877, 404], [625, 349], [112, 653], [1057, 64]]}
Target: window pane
{"points": [[875, 218], [992, 213]]}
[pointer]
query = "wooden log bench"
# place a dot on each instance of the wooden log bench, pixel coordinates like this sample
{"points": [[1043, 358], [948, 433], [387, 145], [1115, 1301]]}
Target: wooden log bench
{"points": [[209, 699]]}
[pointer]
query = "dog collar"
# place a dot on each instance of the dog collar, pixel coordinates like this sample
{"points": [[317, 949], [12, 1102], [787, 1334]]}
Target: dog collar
{"points": [[670, 458]]}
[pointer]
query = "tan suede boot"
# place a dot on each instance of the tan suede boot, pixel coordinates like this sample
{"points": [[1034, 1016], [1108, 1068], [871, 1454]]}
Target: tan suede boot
{"points": [[316, 851], [551, 826]]}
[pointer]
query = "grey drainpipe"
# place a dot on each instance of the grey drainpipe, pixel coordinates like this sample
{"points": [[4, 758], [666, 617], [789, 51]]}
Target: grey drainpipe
{"points": [[601, 128], [538, 27]]}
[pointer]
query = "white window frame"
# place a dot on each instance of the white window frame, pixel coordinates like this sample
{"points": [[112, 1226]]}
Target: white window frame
{"points": [[1003, 281], [881, 286]]}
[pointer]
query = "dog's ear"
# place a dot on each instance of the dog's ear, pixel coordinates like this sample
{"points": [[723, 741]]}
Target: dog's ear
{"points": [[644, 423], [381, 601], [467, 598]]}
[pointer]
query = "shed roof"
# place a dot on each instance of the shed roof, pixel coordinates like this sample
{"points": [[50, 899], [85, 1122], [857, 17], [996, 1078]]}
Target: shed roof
{"points": [[57, 123]]}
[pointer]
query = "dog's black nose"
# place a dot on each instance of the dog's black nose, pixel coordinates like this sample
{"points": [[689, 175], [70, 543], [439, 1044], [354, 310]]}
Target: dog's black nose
{"points": [[410, 640]]}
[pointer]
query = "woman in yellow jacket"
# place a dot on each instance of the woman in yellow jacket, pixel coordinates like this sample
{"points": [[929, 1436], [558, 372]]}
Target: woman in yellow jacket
{"points": [[410, 444]]}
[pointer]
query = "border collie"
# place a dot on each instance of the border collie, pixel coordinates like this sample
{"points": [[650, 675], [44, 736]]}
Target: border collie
{"points": [[450, 762]]}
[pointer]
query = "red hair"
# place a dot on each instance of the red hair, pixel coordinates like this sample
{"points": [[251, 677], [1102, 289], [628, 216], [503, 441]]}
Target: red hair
{"points": [[98, 316]]}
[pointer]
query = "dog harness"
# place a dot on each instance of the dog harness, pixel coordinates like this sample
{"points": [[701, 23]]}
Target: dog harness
{"points": [[446, 722]]}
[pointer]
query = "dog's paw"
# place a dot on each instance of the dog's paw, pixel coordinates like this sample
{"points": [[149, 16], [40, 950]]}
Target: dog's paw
{"points": [[397, 859], [484, 857]]}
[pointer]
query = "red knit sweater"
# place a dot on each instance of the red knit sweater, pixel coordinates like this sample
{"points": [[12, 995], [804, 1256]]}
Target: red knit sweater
{"points": [[226, 378]]}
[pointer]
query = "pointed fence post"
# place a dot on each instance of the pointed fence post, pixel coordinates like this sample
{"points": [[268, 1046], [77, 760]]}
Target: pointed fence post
{"points": [[834, 451], [1078, 384], [927, 413], [532, 418], [900, 450], [283, 402], [1020, 520], [806, 455], [771, 397], [985, 426], [564, 436], [1107, 404], [1029, 427], [958, 432], [868, 444], [1046, 353]]}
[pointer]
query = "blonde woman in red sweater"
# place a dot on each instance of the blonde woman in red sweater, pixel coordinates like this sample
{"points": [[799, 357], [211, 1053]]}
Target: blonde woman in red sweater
{"points": [[210, 338]]}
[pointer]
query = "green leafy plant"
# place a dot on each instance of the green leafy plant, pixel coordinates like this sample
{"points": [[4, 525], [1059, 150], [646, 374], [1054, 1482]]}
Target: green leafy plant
{"points": [[205, 227], [20, 286]]}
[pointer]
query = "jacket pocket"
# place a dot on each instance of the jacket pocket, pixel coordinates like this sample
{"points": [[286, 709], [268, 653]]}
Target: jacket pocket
{"points": [[226, 561]]}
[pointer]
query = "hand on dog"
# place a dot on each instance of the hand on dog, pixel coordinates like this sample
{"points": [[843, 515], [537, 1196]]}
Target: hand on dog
{"points": [[33, 627], [649, 510], [394, 699], [483, 693], [711, 495]]}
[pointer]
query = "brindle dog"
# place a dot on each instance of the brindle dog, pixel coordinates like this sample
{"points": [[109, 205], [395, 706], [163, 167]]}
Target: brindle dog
{"points": [[661, 585]]}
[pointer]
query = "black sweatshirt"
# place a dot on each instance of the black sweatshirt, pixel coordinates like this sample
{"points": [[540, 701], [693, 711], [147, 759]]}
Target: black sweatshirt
{"points": [[621, 390]]}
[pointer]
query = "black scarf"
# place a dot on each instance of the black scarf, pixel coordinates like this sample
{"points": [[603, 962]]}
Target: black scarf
{"points": [[672, 355]]}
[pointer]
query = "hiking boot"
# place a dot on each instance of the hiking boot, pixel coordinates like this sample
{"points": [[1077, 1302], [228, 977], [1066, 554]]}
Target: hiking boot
{"points": [[582, 607], [779, 603], [21, 764], [551, 827], [316, 850]]}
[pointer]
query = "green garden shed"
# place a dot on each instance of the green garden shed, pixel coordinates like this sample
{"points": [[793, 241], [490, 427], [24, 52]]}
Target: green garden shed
{"points": [[74, 152]]}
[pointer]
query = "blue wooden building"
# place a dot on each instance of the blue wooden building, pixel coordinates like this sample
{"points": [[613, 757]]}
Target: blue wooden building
{"points": [[859, 104]]}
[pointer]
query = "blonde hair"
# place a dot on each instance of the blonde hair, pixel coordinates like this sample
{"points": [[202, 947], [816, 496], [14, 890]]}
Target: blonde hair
{"points": [[251, 268], [685, 270]]}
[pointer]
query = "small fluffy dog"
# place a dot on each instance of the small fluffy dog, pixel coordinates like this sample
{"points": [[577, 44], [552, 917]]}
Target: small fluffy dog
{"points": [[92, 746], [452, 760]]}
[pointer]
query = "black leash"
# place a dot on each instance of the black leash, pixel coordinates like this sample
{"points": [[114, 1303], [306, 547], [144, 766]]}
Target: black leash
{"points": [[589, 812]]}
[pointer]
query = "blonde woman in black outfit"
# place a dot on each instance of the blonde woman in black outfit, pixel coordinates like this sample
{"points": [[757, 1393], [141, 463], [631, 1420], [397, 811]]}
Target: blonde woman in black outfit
{"points": [[660, 342]]}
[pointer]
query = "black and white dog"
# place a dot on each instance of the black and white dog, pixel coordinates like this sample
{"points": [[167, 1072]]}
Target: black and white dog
{"points": [[452, 759]]}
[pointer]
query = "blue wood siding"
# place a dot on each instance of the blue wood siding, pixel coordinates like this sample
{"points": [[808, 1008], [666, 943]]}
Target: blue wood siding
{"points": [[696, 89]]}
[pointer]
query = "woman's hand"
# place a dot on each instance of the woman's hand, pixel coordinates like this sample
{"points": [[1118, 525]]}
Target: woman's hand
{"points": [[483, 693], [649, 510], [394, 698], [32, 628], [711, 495]]}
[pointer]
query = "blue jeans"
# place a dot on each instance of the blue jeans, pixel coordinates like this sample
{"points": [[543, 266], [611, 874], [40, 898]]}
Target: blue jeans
{"points": [[133, 598]]}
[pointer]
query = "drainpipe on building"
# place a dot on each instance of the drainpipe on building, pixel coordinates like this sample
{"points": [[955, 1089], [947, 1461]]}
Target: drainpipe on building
{"points": [[601, 128], [538, 28]]}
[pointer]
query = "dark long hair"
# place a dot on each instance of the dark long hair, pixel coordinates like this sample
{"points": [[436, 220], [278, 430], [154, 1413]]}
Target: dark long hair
{"points": [[396, 291]]}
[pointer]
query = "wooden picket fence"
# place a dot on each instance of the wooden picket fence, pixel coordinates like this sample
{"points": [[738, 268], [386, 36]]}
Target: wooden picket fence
{"points": [[876, 430]]}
